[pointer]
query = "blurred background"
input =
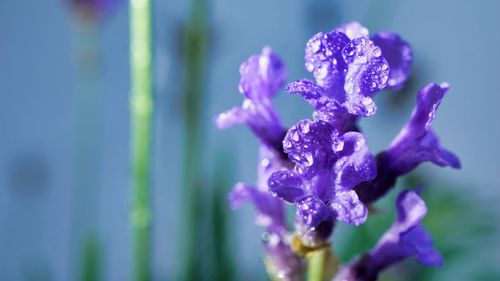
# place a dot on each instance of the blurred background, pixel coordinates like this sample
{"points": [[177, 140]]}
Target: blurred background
{"points": [[65, 134]]}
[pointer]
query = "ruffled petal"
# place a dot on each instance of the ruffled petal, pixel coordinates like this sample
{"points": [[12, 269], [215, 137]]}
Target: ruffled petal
{"points": [[269, 209], [398, 54], [355, 163], [417, 143], [326, 108], [367, 72], [308, 145], [353, 30], [286, 185], [348, 208], [262, 75], [324, 59]]}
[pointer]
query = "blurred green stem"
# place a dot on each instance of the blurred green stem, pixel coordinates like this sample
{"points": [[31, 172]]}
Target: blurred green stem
{"points": [[321, 265], [141, 105], [193, 51]]}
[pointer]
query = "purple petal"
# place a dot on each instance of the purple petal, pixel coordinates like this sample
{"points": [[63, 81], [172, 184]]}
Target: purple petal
{"points": [[421, 242], [398, 54], [314, 221], [269, 209], [262, 75], [286, 185], [349, 208], [417, 143], [407, 237], [353, 30], [234, 116], [308, 145], [367, 72], [324, 59], [327, 109], [355, 163]]}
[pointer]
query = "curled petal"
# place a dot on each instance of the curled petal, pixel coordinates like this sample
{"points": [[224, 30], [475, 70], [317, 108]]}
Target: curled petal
{"points": [[398, 54], [367, 72], [326, 109], [417, 143], [324, 59], [308, 145], [349, 208], [262, 75], [407, 237], [269, 209], [286, 185], [353, 30], [355, 163]]}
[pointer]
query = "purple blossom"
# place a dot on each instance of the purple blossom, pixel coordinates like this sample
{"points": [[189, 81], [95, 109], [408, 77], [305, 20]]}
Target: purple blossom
{"points": [[328, 165], [324, 167], [406, 238], [417, 143], [261, 78]]}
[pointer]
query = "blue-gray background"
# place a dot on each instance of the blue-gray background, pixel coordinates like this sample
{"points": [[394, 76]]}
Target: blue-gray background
{"points": [[454, 41]]}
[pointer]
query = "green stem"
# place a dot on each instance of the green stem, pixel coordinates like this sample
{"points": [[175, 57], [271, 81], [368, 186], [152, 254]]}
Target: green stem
{"points": [[321, 265], [141, 104]]}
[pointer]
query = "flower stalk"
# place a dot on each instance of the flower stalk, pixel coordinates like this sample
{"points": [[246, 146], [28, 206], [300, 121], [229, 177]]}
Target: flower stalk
{"points": [[141, 106]]}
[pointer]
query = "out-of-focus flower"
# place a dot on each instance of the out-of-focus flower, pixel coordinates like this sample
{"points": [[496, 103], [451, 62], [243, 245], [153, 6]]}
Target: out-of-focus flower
{"points": [[406, 238], [261, 78], [92, 10]]}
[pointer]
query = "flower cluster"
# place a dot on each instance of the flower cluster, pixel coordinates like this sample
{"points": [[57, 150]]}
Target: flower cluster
{"points": [[323, 166]]}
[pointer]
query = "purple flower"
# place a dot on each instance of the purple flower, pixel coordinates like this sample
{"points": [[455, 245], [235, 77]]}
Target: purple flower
{"points": [[349, 69], [417, 143], [93, 10], [261, 78], [328, 165], [280, 259], [406, 238]]}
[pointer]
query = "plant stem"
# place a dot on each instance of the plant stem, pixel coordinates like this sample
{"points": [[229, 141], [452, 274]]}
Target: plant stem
{"points": [[141, 105], [321, 265]]}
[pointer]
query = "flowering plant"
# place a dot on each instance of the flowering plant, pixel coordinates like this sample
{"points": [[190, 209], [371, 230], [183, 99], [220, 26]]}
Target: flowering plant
{"points": [[323, 166]]}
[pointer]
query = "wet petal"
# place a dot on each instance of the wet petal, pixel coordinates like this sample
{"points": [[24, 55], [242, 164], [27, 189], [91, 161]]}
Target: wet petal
{"points": [[314, 221], [349, 208], [353, 30], [262, 75], [398, 54], [286, 185], [324, 59], [308, 145], [367, 72], [355, 163]]}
